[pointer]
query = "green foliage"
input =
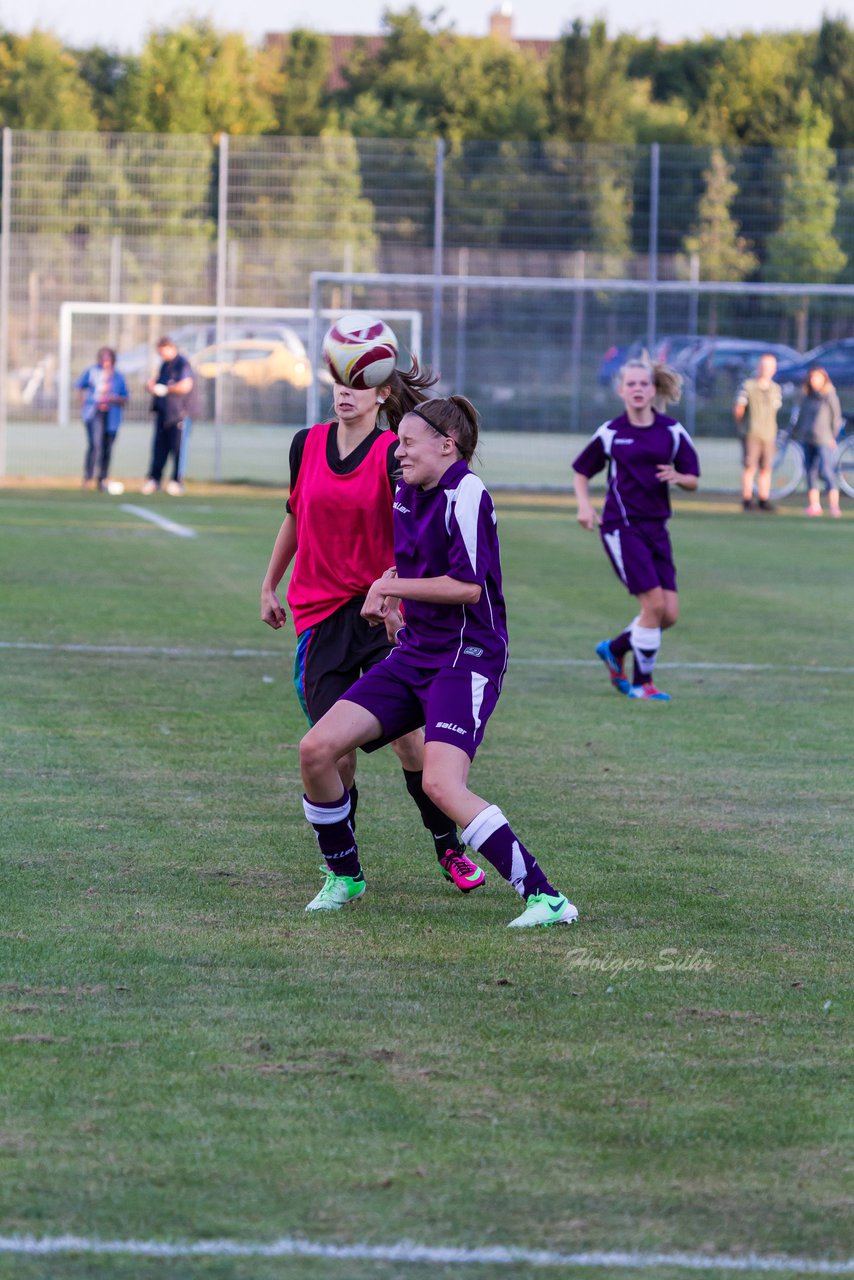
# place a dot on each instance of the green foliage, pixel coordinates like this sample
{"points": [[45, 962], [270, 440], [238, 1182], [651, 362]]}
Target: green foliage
{"points": [[296, 76], [589, 92], [41, 86], [193, 79], [723, 252], [833, 77], [804, 246], [754, 91]]}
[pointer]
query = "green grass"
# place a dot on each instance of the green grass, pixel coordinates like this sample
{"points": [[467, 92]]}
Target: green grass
{"points": [[188, 1056]]}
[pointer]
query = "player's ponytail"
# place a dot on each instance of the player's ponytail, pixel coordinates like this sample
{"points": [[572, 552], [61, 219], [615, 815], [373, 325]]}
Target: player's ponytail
{"points": [[405, 391]]}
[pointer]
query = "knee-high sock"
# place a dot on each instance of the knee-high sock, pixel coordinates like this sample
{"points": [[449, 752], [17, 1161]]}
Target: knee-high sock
{"points": [[622, 643], [442, 828], [334, 833], [646, 641], [490, 834]]}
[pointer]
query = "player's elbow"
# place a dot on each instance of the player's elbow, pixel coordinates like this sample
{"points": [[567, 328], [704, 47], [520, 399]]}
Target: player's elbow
{"points": [[473, 593]]}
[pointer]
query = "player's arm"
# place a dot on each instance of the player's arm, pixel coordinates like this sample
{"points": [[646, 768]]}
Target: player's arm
{"points": [[669, 475], [284, 550], [586, 514], [441, 590]]}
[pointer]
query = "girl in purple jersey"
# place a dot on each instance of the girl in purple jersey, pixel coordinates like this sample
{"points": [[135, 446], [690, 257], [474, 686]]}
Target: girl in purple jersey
{"points": [[339, 540], [446, 671], [645, 451]]}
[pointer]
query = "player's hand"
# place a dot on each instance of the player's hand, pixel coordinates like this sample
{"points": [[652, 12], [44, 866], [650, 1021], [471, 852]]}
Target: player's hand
{"points": [[271, 609], [375, 609], [587, 517], [668, 474]]}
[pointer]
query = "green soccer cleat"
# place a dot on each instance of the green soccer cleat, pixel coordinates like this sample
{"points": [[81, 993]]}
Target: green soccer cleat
{"points": [[545, 909], [337, 891]]}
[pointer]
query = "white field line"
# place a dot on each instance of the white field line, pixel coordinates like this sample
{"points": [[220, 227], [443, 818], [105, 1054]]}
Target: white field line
{"points": [[177, 651], [162, 522], [406, 1251]]}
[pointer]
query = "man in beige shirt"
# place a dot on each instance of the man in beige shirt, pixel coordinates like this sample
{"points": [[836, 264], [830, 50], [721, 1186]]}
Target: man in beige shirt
{"points": [[761, 397]]}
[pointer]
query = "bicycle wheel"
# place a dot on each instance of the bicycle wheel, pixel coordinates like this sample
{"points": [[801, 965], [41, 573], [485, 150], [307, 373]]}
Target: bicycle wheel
{"points": [[845, 467], [788, 469]]}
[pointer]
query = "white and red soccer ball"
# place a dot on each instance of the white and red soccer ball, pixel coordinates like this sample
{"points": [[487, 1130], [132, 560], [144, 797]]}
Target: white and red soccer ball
{"points": [[360, 350]]}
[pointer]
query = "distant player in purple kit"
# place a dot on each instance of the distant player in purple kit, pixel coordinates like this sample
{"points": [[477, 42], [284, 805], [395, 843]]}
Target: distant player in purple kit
{"points": [[645, 451], [446, 671], [338, 532]]}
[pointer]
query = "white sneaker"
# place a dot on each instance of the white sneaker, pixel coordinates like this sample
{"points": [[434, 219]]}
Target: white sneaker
{"points": [[175, 488], [149, 486], [545, 909]]}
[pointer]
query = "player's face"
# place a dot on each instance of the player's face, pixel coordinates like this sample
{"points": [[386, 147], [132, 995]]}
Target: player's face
{"points": [[637, 390], [353, 406], [423, 454]]}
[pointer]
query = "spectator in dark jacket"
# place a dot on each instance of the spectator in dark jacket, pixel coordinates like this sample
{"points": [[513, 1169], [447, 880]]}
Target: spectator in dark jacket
{"points": [[816, 421]]}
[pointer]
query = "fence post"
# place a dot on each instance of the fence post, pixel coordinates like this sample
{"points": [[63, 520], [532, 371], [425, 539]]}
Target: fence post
{"points": [[652, 300], [579, 270], [438, 253], [5, 258], [221, 293], [462, 315]]}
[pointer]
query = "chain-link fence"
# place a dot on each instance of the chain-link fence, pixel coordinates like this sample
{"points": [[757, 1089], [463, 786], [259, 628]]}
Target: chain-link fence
{"points": [[151, 221]]}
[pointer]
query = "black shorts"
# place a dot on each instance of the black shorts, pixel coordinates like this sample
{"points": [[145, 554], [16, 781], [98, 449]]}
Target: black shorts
{"points": [[332, 655]]}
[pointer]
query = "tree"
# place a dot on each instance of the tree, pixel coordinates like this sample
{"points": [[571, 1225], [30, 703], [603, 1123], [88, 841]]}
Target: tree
{"points": [[724, 254], [804, 247], [193, 79], [296, 75], [754, 90], [833, 78], [589, 91], [40, 87], [590, 100]]}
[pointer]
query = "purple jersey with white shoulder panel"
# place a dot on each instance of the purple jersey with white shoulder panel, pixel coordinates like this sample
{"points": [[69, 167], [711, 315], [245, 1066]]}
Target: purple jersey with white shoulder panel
{"points": [[632, 455], [452, 530]]}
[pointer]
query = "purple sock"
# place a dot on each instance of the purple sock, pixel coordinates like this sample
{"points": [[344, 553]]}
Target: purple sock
{"points": [[334, 833], [621, 645], [490, 834]]}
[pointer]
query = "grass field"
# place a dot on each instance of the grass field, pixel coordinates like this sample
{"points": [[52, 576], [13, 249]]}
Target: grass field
{"points": [[187, 1056]]}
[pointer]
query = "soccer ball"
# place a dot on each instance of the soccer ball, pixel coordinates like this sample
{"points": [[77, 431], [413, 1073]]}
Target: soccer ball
{"points": [[360, 350], [115, 487]]}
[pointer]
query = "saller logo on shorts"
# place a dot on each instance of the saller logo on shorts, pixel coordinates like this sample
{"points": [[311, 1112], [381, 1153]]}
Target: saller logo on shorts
{"points": [[473, 651], [455, 728]]}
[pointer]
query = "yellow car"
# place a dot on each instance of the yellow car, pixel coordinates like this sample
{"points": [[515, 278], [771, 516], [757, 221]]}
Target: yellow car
{"points": [[257, 362]]}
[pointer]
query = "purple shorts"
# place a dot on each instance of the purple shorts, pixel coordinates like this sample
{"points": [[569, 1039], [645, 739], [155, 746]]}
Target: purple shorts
{"points": [[453, 705], [641, 556]]}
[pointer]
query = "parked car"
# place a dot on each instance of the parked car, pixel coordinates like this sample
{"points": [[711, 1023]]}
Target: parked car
{"points": [[836, 357], [664, 349], [718, 365], [257, 362]]}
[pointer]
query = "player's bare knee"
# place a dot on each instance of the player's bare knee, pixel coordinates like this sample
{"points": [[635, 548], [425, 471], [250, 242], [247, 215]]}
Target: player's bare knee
{"points": [[315, 753]]}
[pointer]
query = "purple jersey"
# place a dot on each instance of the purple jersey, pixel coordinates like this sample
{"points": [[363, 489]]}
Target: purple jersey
{"points": [[632, 455], [452, 530]]}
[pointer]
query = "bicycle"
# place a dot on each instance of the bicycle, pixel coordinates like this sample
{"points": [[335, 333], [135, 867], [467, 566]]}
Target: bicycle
{"points": [[790, 465]]}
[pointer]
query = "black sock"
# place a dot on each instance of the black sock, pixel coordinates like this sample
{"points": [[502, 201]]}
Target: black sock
{"points": [[354, 800], [440, 826]]}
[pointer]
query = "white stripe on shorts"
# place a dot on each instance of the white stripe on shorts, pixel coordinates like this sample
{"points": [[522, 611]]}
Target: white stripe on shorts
{"points": [[478, 684], [612, 542]]}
